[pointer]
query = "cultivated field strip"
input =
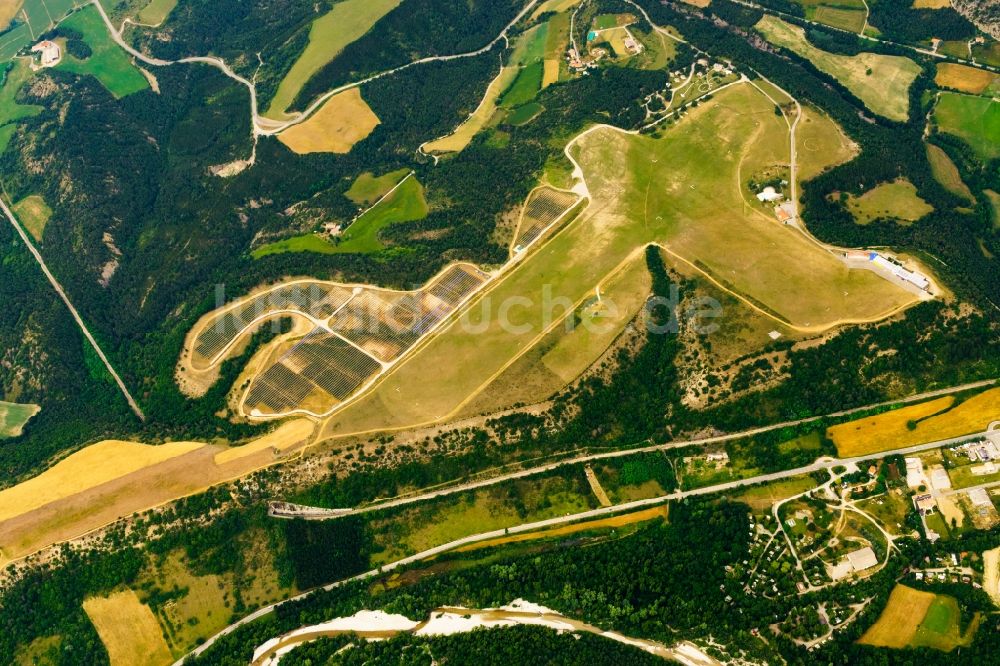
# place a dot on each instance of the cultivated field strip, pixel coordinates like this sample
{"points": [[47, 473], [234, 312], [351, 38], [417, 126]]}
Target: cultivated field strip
{"points": [[319, 301], [544, 207]]}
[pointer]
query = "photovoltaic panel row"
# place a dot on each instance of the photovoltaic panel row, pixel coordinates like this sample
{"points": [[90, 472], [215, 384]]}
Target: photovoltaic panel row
{"points": [[318, 300], [320, 364], [543, 209]]}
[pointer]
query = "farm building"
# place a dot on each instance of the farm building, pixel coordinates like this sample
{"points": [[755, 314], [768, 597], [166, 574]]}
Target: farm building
{"points": [[785, 212], [863, 558], [49, 51], [897, 270]]}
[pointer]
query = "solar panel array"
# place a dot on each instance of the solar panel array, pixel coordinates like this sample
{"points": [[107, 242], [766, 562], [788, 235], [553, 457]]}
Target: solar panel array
{"points": [[387, 324], [325, 368], [321, 365], [542, 210], [318, 300]]}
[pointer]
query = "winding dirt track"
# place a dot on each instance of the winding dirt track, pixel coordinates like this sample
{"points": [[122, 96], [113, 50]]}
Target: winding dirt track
{"points": [[263, 126]]}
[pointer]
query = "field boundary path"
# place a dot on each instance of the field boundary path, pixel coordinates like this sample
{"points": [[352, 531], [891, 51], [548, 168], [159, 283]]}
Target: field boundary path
{"points": [[820, 465], [73, 311]]}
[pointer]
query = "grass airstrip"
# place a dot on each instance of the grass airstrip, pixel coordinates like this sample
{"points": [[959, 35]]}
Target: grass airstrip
{"points": [[340, 122], [915, 424], [128, 629], [914, 618], [108, 63], [885, 90], [346, 22], [110, 479], [820, 144], [14, 416], [897, 200], [684, 190], [974, 119]]}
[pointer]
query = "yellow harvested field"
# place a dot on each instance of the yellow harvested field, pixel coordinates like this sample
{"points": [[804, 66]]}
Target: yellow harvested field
{"points": [[108, 480], [931, 4], [553, 6], [991, 574], [285, 436], [550, 73], [128, 629], [925, 422], [974, 414], [8, 8], [897, 625], [964, 78], [462, 136], [882, 431], [643, 515], [340, 123], [86, 469], [698, 3]]}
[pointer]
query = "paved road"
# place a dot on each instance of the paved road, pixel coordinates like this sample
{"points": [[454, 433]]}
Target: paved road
{"points": [[825, 464], [76, 315], [541, 469]]}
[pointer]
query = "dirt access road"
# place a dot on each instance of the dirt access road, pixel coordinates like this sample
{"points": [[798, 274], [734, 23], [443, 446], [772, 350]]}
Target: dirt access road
{"points": [[73, 311]]}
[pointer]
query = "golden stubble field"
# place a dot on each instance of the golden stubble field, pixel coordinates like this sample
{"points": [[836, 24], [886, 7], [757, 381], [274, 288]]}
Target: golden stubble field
{"points": [[341, 122], [915, 424], [128, 629], [108, 480]]}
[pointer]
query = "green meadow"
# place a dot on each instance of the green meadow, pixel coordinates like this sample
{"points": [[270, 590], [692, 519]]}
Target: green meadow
{"points": [[108, 63], [405, 204], [974, 119]]}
